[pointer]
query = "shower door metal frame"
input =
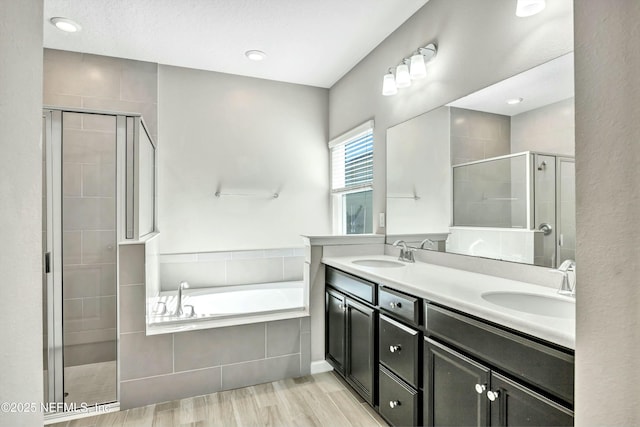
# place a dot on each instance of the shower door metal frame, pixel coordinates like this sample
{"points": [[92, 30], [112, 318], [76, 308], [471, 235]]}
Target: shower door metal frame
{"points": [[53, 255], [53, 134]]}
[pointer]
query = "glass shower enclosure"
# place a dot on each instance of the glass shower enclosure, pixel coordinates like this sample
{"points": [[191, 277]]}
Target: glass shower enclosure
{"points": [[526, 191], [91, 197]]}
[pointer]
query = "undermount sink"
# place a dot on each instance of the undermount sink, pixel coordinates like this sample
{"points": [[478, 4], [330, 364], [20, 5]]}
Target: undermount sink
{"points": [[541, 305], [378, 263]]}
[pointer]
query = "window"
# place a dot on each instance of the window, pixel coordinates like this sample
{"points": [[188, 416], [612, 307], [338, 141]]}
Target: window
{"points": [[351, 180]]}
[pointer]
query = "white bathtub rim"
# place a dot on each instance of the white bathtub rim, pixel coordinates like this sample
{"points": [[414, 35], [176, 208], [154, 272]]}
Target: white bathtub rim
{"points": [[158, 329]]}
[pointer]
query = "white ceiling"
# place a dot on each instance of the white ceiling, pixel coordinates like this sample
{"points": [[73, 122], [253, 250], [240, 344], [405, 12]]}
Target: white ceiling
{"points": [[542, 85], [311, 42]]}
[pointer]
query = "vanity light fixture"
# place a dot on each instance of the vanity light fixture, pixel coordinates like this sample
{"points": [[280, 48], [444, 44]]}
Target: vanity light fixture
{"points": [[409, 69], [255, 55], [526, 8], [418, 68], [65, 24], [389, 84], [403, 78], [514, 101]]}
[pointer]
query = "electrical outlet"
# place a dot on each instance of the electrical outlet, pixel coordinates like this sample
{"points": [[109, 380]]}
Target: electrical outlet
{"points": [[381, 220]]}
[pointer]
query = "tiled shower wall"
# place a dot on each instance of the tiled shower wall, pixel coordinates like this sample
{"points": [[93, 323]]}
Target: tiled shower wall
{"points": [[159, 368], [208, 269], [93, 82], [89, 238]]}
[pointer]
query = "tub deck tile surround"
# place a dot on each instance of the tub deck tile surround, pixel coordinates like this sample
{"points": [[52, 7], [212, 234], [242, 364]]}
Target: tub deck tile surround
{"points": [[314, 400], [157, 368]]}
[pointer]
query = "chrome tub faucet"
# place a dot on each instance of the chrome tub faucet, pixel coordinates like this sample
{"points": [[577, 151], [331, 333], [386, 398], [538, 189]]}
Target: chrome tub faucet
{"points": [[179, 311]]}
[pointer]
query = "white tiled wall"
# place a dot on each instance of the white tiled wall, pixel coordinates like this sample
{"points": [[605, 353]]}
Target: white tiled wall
{"points": [[207, 269]]}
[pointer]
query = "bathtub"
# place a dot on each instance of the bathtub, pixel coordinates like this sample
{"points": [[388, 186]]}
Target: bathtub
{"points": [[226, 305]]}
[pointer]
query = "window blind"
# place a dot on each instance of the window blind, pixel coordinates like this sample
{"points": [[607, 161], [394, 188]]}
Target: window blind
{"points": [[352, 159]]}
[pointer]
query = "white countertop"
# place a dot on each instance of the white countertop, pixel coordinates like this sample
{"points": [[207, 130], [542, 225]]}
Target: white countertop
{"points": [[461, 290]]}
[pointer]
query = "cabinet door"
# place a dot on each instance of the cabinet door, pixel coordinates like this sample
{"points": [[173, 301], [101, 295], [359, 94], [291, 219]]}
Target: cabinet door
{"points": [[516, 405], [335, 324], [452, 383], [361, 363]]}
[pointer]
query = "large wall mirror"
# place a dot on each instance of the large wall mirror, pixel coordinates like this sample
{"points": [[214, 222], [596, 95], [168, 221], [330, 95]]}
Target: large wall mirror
{"points": [[491, 174]]}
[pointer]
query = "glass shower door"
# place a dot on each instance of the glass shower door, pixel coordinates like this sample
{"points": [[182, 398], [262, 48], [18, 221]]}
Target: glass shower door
{"points": [[80, 240]]}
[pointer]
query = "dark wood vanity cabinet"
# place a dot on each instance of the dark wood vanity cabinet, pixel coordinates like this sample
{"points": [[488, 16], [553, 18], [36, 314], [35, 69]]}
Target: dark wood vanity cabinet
{"points": [[495, 377], [399, 350], [419, 363], [351, 331]]}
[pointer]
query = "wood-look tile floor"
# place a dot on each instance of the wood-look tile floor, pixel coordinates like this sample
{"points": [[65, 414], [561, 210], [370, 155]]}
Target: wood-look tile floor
{"points": [[315, 400]]}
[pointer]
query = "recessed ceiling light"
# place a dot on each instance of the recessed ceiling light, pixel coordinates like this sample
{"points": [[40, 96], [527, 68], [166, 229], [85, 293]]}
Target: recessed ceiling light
{"points": [[514, 101], [66, 25], [255, 55]]}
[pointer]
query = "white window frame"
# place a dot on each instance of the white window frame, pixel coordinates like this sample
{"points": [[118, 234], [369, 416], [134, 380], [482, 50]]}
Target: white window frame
{"points": [[337, 200]]}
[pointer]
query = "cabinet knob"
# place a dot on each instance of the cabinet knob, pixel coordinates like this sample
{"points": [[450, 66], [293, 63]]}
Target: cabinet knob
{"points": [[395, 348], [493, 395], [395, 304], [342, 307], [394, 403], [480, 388]]}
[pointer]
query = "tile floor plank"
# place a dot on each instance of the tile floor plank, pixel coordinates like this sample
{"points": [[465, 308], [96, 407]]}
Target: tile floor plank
{"points": [[310, 401]]}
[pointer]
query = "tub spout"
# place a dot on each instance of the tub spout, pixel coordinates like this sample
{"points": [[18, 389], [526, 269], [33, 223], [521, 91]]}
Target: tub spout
{"points": [[179, 311]]}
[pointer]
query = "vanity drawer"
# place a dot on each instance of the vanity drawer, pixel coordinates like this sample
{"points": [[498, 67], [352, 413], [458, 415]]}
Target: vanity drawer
{"points": [[350, 284], [398, 349], [398, 403], [540, 365], [399, 304]]}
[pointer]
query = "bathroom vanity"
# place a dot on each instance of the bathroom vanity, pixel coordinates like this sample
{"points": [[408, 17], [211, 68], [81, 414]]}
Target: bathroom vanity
{"points": [[430, 345]]}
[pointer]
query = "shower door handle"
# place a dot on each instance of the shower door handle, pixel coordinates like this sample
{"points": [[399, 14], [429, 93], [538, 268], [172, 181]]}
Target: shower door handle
{"points": [[47, 262], [545, 228]]}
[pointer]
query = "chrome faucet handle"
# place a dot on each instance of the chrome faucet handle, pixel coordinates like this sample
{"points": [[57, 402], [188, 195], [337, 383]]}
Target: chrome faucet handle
{"points": [[568, 271], [192, 312], [403, 249]]}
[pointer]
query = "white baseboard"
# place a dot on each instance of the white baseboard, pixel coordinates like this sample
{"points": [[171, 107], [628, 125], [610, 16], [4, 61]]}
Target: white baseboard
{"points": [[320, 366]]}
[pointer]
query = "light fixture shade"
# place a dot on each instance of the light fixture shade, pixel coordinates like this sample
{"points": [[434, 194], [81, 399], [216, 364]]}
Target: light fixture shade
{"points": [[403, 78], [389, 85], [417, 70], [526, 8]]}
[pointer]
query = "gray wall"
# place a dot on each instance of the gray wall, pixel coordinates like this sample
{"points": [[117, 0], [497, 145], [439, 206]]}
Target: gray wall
{"points": [[479, 43], [20, 208], [234, 134], [608, 206], [95, 82], [549, 129], [476, 135], [159, 368]]}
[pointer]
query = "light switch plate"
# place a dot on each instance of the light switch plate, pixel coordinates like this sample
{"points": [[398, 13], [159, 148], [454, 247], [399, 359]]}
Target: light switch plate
{"points": [[381, 220]]}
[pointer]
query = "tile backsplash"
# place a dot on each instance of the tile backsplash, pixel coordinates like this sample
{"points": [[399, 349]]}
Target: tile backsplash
{"points": [[208, 269]]}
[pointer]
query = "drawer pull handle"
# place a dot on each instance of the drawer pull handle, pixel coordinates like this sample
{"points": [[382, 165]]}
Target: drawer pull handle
{"points": [[394, 403], [493, 395], [395, 304], [480, 388], [395, 348]]}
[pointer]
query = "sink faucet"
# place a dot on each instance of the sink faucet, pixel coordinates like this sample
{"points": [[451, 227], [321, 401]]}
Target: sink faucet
{"points": [[179, 312], [568, 270], [425, 241], [406, 254]]}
